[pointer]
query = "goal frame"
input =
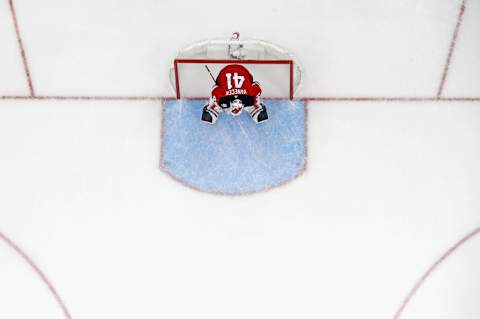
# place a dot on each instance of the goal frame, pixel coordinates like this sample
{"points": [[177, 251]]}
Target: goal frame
{"points": [[288, 62]]}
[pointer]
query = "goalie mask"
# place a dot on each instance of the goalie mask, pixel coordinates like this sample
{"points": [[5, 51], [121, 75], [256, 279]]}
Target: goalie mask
{"points": [[236, 107]]}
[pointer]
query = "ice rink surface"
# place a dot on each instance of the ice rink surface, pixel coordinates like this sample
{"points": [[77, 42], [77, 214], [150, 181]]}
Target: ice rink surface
{"points": [[384, 223]]}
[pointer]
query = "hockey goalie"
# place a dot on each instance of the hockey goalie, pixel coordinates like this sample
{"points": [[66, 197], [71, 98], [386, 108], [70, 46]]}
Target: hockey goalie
{"points": [[234, 91]]}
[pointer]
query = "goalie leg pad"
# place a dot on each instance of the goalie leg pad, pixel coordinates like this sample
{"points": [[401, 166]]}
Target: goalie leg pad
{"points": [[209, 115], [258, 113]]}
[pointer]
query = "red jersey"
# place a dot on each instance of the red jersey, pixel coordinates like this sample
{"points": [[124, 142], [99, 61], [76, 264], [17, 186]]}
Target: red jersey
{"points": [[235, 81]]}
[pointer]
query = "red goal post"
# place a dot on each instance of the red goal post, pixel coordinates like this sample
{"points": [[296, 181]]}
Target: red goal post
{"points": [[277, 71]]}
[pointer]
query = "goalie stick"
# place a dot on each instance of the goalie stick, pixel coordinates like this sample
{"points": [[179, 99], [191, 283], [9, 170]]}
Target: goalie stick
{"points": [[211, 75]]}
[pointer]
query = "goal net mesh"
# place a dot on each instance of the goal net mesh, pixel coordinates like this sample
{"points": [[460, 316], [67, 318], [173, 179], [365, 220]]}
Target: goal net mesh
{"points": [[277, 71]]}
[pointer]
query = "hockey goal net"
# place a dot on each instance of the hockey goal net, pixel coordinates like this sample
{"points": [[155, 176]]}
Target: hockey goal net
{"points": [[277, 71]]}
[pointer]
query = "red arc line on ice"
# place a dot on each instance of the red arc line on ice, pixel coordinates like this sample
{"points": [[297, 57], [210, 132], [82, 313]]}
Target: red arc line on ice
{"points": [[39, 273], [418, 285]]}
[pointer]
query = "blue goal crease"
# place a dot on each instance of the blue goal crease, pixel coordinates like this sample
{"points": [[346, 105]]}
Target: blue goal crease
{"points": [[235, 155]]}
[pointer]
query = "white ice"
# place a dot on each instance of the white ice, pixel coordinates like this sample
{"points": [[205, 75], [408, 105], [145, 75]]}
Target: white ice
{"points": [[389, 187]]}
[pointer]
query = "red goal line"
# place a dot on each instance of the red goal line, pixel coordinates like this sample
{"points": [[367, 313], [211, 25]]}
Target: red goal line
{"points": [[306, 99]]}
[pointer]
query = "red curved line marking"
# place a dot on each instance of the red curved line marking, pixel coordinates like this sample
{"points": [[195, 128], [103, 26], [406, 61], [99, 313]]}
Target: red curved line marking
{"points": [[39, 273], [430, 270]]}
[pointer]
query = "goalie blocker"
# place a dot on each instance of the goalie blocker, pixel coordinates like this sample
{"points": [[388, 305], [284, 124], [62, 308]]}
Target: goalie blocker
{"points": [[234, 91]]}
